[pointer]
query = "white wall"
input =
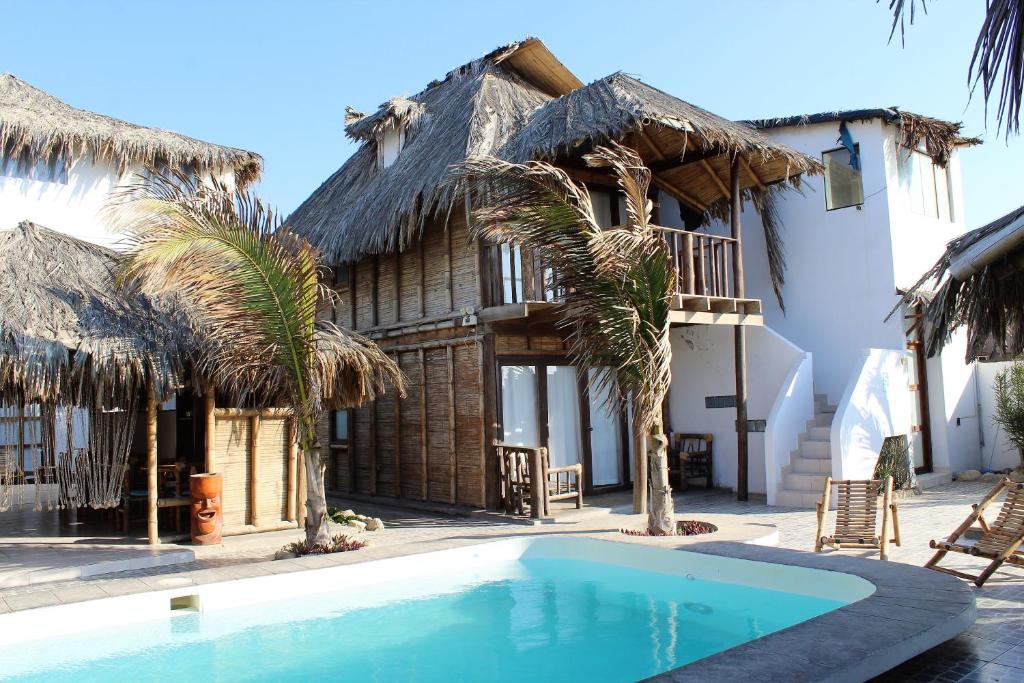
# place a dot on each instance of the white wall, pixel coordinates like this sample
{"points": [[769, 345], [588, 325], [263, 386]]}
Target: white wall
{"points": [[997, 453], [953, 408], [703, 365], [875, 405], [71, 208]]}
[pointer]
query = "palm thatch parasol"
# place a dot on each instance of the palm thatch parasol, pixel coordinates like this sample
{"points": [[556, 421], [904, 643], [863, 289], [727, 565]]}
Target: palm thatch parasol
{"points": [[36, 127], [980, 286], [68, 336]]}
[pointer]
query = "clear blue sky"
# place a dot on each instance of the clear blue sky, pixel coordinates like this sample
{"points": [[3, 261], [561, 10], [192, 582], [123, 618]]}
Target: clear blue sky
{"points": [[275, 77]]}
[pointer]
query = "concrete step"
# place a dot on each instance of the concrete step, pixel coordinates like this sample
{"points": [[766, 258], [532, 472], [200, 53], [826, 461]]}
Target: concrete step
{"points": [[796, 499], [933, 479], [811, 465], [823, 419], [823, 433], [817, 450], [810, 483]]}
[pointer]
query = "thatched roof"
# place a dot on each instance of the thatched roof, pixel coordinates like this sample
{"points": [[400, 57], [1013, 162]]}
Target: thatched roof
{"points": [[67, 333], [35, 125], [519, 102], [938, 137], [980, 285]]}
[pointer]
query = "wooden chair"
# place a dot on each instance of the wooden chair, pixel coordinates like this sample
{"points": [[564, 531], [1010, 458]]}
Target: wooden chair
{"points": [[1000, 541], [691, 457], [516, 471], [856, 512]]}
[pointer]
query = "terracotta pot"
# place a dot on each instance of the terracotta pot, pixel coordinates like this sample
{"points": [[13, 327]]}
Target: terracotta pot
{"points": [[207, 514]]}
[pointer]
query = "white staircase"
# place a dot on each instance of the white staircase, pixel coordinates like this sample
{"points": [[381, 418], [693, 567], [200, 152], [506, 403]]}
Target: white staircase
{"points": [[804, 477]]}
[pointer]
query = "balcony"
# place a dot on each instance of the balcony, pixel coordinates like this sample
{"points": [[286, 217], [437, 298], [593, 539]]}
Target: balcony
{"points": [[519, 286]]}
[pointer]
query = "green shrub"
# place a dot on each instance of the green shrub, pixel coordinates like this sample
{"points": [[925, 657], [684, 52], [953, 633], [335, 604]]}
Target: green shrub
{"points": [[1009, 388], [894, 461]]}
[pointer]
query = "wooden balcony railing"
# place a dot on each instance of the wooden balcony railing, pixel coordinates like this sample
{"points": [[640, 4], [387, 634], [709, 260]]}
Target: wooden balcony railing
{"points": [[704, 265]]}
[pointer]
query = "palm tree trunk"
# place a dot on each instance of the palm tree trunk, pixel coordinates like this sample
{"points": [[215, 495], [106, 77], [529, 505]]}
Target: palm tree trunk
{"points": [[317, 530], [660, 520]]}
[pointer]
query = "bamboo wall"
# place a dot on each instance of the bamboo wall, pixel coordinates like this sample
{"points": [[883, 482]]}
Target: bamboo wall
{"points": [[430, 445]]}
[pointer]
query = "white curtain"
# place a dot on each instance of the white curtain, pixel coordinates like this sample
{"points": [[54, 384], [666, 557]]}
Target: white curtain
{"points": [[511, 256], [519, 405], [605, 435], [563, 416]]}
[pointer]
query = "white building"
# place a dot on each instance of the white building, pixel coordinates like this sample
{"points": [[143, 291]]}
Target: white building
{"points": [[59, 164], [832, 376]]}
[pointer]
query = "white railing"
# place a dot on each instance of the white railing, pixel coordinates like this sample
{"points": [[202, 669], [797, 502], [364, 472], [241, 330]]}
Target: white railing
{"points": [[791, 412]]}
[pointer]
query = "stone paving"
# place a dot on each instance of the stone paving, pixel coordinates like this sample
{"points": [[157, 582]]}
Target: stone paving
{"points": [[992, 650]]}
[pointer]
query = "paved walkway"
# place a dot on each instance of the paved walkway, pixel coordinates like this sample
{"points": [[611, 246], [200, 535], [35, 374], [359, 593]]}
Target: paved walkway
{"points": [[993, 650]]}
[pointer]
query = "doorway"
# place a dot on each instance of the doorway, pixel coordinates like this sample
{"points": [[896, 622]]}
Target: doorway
{"points": [[920, 429]]}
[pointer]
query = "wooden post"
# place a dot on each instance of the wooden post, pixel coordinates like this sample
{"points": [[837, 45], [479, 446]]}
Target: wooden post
{"points": [[254, 470], [424, 470], [372, 407], [211, 429], [822, 510], [537, 483], [21, 436], [639, 447], [374, 304], [452, 469], [739, 333], [152, 531], [883, 553], [398, 437], [488, 410], [690, 286], [293, 471]]}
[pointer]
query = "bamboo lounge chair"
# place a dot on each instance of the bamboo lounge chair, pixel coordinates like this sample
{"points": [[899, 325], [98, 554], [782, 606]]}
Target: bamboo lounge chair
{"points": [[1000, 541], [856, 513]]}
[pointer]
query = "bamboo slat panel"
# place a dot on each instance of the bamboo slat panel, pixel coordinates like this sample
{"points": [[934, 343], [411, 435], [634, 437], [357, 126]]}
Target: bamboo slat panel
{"points": [[468, 439], [511, 344], [231, 455], [411, 454], [272, 452], [385, 407], [546, 344], [435, 256], [1008, 526], [364, 294], [438, 464], [465, 263], [385, 290], [409, 284], [361, 429]]}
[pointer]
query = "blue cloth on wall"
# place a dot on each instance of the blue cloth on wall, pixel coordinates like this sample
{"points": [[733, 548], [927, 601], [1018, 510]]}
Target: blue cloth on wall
{"points": [[846, 140]]}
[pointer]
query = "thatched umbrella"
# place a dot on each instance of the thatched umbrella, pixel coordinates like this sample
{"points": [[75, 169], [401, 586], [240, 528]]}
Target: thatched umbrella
{"points": [[979, 284], [37, 127]]}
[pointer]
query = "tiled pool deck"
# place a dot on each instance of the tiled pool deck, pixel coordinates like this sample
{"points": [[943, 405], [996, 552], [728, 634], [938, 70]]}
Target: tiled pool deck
{"points": [[992, 650]]}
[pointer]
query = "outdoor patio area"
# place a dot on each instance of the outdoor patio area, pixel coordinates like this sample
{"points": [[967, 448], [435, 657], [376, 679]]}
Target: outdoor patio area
{"points": [[992, 650]]}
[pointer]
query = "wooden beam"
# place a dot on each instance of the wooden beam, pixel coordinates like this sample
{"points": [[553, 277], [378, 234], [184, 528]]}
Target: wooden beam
{"points": [[753, 174], [293, 462], [424, 470], [254, 470], [152, 484], [679, 194], [452, 468], [374, 282], [650, 143], [709, 169], [396, 287], [398, 437], [209, 403], [373, 446], [488, 411], [352, 296]]}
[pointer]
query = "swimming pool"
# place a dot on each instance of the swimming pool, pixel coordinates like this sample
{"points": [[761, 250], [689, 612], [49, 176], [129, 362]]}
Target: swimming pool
{"points": [[553, 608]]}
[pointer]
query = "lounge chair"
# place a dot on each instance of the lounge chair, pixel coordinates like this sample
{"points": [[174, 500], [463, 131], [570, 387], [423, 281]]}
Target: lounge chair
{"points": [[856, 512], [1000, 541]]}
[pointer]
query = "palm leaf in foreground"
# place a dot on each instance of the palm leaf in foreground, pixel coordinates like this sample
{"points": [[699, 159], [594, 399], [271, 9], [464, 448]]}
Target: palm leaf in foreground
{"points": [[252, 290], [616, 283]]}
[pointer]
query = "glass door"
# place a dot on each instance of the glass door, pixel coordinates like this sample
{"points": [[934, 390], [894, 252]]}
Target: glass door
{"points": [[519, 405], [605, 435], [563, 407]]}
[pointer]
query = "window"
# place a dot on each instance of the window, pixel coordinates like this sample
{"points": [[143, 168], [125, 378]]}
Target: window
{"points": [[391, 144], [52, 171], [339, 427], [843, 184], [926, 183], [341, 275]]}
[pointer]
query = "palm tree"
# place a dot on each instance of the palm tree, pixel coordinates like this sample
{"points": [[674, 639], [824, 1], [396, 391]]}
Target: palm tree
{"points": [[998, 53], [617, 283], [252, 291]]}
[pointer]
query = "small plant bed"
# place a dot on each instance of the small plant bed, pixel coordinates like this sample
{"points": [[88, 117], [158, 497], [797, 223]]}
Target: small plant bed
{"points": [[684, 527], [357, 522], [337, 544]]}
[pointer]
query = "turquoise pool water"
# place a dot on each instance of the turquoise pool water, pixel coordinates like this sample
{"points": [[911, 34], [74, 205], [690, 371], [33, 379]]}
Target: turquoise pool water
{"points": [[536, 619]]}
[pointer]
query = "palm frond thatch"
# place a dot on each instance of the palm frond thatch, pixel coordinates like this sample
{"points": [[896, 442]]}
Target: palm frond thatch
{"points": [[252, 290], [989, 301], [616, 283], [37, 127], [496, 107], [997, 62], [68, 336]]}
